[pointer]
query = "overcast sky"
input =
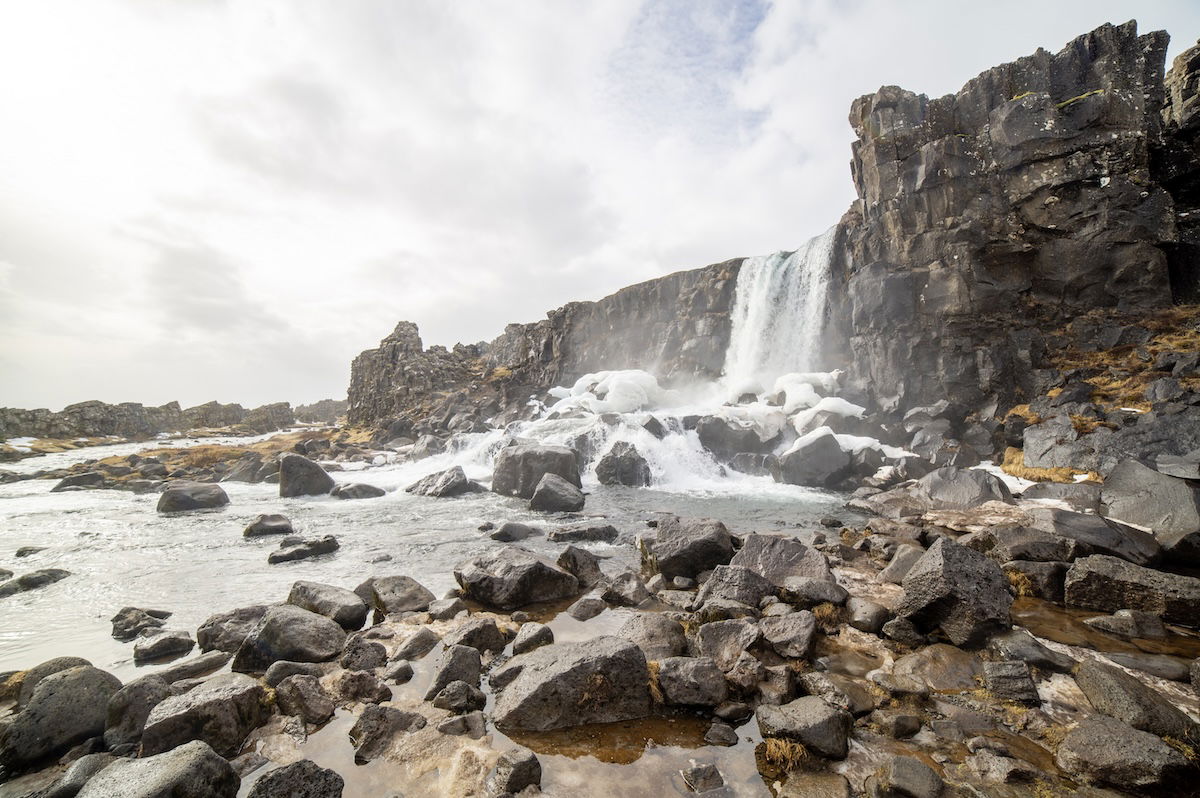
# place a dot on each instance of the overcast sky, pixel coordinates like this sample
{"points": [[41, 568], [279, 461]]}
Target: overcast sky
{"points": [[229, 200]]}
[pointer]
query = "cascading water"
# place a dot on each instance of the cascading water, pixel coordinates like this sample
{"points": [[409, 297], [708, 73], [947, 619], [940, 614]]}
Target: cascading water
{"points": [[778, 316]]}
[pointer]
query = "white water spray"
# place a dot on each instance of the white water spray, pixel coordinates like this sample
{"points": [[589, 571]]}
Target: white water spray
{"points": [[778, 316]]}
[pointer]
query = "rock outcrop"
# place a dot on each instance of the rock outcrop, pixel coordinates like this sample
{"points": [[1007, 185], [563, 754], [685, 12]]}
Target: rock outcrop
{"points": [[132, 420]]}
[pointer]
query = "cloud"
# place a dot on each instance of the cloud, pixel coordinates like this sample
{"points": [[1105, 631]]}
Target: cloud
{"points": [[231, 200]]}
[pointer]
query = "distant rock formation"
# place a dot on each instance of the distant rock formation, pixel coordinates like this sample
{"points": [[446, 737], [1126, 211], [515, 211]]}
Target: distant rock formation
{"points": [[131, 420], [326, 411]]}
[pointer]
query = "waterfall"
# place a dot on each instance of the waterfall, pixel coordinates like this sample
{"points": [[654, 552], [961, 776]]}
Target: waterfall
{"points": [[778, 315]]}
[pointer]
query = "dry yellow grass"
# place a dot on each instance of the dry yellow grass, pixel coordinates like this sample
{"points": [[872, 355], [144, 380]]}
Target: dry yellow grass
{"points": [[1020, 583], [787, 755], [1024, 412], [828, 617], [655, 689], [1014, 464]]}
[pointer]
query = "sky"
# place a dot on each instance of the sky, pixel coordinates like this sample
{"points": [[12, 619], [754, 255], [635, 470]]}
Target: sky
{"points": [[229, 200]]}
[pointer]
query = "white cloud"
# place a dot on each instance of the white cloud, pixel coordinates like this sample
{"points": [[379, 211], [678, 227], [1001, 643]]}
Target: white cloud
{"points": [[231, 199]]}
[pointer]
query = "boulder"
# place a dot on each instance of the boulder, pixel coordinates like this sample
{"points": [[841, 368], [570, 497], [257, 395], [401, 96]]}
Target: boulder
{"points": [[591, 533], [905, 777], [27, 681], [375, 728], [626, 590], [193, 769], [520, 468], [32, 581], [554, 494], [623, 465], [65, 708], [395, 594], [283, 669], [511, 577], [456, 664], [815, 460], [446, 609], [658, 636], [951, 488], [129, 707], [1019, 644], [904, 558], [691, 681], [81, 770], [459, 698], [581, 564], [292, 549], [226, 631], [360, 686], [357, 490], [687, 546], [791, 635], [511, 532], [957, 590], [1131, 624], [532, 635], [163, 644], [299, 476], [361, 654], [303, 779], [268, 524], [442, 484], [195, 667], [1100, 582], [725, 641], [1119, 695], [734, 583], [478, 633], [725, 438], [304, 697], [184, 496], [1010, 681], [941, 668], [823, 729], [1166, 505], [1107, 752], [779, 558], [221, 711], [287, 632], [602, 680], [129, 622], [88, 479], [516, 770], [343, 606]]}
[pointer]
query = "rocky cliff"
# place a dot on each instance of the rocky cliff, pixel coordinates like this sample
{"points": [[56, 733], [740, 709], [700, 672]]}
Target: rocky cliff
{"points": [[988, 216], [675, 326], [1044, 190]]}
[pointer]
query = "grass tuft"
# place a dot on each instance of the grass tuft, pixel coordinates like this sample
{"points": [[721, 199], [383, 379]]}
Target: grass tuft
{"points": [[787, 755], [1014, 464], [655, 689]]}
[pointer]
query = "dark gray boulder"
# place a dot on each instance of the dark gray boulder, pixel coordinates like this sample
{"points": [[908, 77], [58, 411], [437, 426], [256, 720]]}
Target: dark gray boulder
{"points": [[820, 727], [395, 594], [185, 496], [29, 680], [725, 437], [375, 728], [1107, 752], [299, 476], [78, 774], [602, 680], [88, 479], [456, 664], [1166, 505], [905, 777], [1108, 584], [283, 669], [1019, 644], [725, 641], [292, 549], [459, 698], [905, 557], [687, 546], [162, 644], [129, 622], [951, 488], [791, 635], [1094, 534], [779, 558], [691, 681], [581, 564], [357, 490], [623, 465], [658, 636], [958, 590], [511, 577], [519, 468], [1010, 681], [303, 779], [516, 770], [511, 532], [554, 494], [65, 708], [446, 609], [815, 460], [129, 707], [268, 524], [361, 654], [221, 711], [591, 533], [442, 484], [478, 633], [32, 581], [360, 686], [626, 590], [734, 583], [304, 697], [1119, 695], [226, 631], [532, 635], [289, 633], [193, 770], [343, 606]]}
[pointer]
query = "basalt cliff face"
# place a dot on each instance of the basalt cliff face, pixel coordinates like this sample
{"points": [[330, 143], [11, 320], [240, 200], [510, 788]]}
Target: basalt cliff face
{"points": [[1044, 190], [132, 420], [676, 327]]}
